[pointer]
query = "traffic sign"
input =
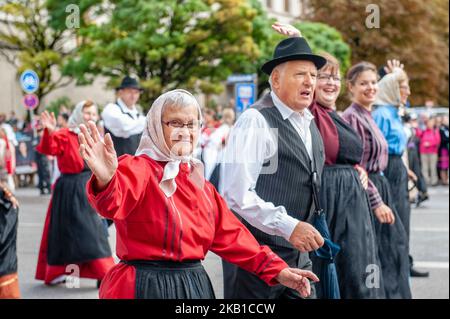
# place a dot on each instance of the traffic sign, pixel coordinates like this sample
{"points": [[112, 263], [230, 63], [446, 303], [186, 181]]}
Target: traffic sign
{"points": [[29, 81], [245, 96], [30, 101]]}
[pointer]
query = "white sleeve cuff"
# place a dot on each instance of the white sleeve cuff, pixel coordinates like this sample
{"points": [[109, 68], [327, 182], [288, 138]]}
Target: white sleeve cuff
{"points": [[286, 225]]}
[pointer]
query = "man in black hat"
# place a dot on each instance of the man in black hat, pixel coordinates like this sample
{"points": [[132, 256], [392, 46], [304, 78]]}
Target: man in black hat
{"points": [[272, 153], [123, 120]]}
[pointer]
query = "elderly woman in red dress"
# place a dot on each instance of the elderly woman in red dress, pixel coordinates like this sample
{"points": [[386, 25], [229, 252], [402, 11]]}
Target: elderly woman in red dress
{"points": [[166, 215]]}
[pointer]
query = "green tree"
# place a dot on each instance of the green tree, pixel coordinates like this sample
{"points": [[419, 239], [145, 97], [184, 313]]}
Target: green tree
{"points": [[414, 31], [194, 44], [28, 42]]}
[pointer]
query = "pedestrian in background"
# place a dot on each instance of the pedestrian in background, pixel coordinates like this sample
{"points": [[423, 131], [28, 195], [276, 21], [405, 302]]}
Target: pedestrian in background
{"points": [[430, 141], [444, 151]]}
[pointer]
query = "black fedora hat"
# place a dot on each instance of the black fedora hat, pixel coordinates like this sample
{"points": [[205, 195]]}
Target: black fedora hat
{"points": [[129, 82], [290, 49]]}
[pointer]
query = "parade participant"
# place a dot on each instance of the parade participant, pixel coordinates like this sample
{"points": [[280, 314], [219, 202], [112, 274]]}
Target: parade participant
{"points": [[7, 160], [73, 232], [343, 196], [123, 120], [391, 234], [266, 179], [389, 105], [166, 215], [9, 208]]}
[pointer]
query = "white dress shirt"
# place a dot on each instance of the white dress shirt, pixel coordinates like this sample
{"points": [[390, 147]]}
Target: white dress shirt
{"points": [[122, 121], [252, 138]]}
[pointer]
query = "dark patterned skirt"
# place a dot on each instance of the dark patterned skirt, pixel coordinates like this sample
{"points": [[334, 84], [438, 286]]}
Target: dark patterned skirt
{"points": [[8, 237], [351, 225], [393, 246], [171, 280], [76, 233], [397, 176]]}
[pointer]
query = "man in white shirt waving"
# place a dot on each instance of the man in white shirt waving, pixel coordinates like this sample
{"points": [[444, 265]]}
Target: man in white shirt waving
{"points": [[273, 152], [123, 120]]}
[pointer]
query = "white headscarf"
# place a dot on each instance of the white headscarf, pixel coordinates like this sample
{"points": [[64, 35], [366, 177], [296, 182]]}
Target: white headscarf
{"points": [[153, 143], [76, 118], [389, 89]]}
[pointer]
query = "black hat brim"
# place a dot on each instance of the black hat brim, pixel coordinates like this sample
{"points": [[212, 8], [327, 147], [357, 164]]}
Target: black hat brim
{"points": [[318, 61], [129, 87]]}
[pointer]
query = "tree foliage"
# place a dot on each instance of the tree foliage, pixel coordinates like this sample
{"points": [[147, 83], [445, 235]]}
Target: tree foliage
{"points": [[414, 31], [28, 42], [192, 44]]}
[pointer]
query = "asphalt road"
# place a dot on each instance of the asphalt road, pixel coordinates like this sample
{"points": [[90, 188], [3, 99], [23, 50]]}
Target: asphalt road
{"points": [[429, 246]]}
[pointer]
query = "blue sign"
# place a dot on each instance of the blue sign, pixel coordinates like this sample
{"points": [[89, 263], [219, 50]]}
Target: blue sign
{"points": [[29, 81], [235, 78], [245, 96]]}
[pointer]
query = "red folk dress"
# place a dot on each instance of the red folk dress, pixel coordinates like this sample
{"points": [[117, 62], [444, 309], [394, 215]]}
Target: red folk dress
{"points": [[64, 144], [183, 227]]}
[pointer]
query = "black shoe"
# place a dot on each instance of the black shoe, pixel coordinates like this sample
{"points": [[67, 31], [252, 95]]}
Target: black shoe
{"points": [[421, 198], [416, 273]]}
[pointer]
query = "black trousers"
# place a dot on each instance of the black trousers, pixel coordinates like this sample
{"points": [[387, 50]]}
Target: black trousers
{"points": [[416, 167], [43, 170], [241, 284]]}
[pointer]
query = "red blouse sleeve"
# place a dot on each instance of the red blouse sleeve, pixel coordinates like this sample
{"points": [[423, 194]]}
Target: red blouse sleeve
{"points": [[123, 192], [234, 243], [52, 143]]}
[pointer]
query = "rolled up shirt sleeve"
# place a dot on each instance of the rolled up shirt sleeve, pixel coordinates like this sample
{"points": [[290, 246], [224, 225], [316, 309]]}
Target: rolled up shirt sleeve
{"points": [[250, 145]]}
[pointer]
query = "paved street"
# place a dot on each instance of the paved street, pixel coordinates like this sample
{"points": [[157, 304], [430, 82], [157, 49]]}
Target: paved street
{"points": [[429, 241]]}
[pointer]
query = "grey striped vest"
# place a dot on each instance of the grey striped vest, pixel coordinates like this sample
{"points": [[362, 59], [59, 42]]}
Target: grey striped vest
{"points": [[290, 185]]}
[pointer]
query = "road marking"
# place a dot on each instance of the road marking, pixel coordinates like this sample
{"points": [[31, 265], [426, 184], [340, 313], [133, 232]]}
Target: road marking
{"points": [[431, 264], [431, 229]]}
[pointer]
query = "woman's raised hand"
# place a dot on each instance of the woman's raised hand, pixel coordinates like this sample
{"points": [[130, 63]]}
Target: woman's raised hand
{"points": [[286, 29], [99, 154], [392, 65], [48, 121]]}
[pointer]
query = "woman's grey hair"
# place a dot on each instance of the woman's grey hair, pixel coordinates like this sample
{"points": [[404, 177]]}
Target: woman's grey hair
{"points": [[177, 98]]}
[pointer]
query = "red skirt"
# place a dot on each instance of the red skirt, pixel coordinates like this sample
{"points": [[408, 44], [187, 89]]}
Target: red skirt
{"points": [[93, 269]]}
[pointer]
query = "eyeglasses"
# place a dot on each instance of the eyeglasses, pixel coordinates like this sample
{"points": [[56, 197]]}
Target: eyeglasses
{"points": [[327, 77], [179, 124]]}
